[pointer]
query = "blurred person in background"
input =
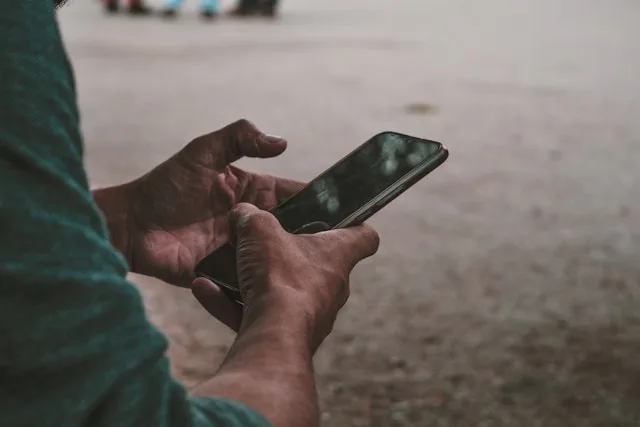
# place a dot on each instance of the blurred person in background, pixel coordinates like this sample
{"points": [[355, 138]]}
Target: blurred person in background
{"points": [[134, 7], [208, 8], [77, 347], [246, 8]]}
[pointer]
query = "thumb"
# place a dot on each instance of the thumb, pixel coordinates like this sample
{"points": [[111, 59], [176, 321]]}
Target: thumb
{"points": [[241, 139], [245, 218], [354, 243]]}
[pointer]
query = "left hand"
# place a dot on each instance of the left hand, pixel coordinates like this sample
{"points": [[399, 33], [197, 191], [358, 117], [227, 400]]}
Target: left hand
{"points": [[178, 212]]}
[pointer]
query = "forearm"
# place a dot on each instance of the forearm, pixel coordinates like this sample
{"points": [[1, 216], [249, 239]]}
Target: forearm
{"points": [[114, 203], [269, 368]]}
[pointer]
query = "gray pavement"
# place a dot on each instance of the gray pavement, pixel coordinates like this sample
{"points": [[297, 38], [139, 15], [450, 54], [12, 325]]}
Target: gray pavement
{"points": [[507, 288]]}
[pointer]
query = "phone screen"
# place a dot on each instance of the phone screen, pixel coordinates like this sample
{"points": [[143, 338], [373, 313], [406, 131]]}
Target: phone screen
{"points": [[351, 184], [356, 180]]}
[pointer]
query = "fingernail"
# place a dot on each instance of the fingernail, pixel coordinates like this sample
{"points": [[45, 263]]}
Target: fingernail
{"points": [[272, 139]]}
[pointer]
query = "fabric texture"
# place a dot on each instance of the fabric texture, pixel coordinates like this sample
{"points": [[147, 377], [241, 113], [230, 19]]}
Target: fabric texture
{"points": [[76, 348]]}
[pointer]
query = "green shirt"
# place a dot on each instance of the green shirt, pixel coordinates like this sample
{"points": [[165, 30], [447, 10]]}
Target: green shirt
{"points": [[75, 346]]}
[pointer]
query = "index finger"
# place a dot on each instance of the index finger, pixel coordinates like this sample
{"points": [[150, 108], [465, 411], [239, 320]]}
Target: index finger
{"points": [[232, 142], [286, 188], [354, 243]]}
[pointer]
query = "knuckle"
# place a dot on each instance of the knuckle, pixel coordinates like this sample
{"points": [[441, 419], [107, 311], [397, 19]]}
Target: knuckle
{"points": [[241, 214], [197, 146], [337, 277], [347, 295], [242, 137], [259, 220], [241, 208], [243, 126], [372, 237], [339, 289], [245, 206], [365, 241]]}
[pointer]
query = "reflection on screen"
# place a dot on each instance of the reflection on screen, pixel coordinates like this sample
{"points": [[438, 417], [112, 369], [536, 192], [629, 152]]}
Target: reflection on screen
{"points": [[354, 181]]}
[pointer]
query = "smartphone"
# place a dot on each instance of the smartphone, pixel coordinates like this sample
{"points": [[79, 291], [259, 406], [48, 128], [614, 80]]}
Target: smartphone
{"points": [[346, 194]]}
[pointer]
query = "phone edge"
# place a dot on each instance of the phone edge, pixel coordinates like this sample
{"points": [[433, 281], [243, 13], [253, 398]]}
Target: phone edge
{"points": [[321, 174], [408, 180]]}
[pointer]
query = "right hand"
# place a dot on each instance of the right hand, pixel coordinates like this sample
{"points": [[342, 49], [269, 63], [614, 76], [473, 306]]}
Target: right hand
{"points": [[308, 273]]}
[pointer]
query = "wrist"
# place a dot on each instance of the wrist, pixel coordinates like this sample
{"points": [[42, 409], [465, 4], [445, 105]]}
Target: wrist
{"points": [[115, 205], [288, 313], [270, 367]]}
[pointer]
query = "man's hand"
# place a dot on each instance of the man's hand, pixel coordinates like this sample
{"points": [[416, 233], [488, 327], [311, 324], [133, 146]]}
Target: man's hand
{"points": [[293, 287], [168, 220], [278, 270]]}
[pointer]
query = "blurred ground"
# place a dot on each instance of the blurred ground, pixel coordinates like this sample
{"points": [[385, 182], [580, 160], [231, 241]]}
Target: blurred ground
{"points": [[507, 288]]}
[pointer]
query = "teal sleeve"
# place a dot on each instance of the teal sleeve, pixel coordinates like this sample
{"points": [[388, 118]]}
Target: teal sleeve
{"points": [[76, 347]]}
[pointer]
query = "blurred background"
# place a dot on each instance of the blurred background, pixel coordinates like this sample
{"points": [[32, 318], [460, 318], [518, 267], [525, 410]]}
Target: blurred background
{"points": [[507, 287]]}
